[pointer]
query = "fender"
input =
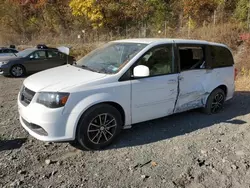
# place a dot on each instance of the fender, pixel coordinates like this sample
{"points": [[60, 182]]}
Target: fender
{"points": [[83, 105], [210, 89]]}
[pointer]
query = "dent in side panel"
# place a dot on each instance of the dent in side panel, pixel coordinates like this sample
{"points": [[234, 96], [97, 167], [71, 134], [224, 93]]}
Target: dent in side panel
{"points": [[192, 90]]}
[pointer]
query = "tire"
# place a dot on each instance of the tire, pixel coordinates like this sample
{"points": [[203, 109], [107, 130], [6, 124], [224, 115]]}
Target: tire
{"points": [[92, 133], [215, 102], [17, 71]]}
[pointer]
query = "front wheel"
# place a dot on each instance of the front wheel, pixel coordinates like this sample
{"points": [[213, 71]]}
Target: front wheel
{"points": [[17, 71], [215, 102], [98, 127]]}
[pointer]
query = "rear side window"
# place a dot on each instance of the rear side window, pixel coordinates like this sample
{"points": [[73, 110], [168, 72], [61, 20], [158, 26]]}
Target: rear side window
{"points": [[191, 58], [52, 54], [221, 57], [61, 55]]}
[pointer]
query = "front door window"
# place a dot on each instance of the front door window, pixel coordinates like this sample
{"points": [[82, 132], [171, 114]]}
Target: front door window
{"points": [[39, 55], [159, 60]]}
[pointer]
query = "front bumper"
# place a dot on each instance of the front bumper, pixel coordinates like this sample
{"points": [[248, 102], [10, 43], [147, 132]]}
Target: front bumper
{"points": [[5, 69], [47, 124]]}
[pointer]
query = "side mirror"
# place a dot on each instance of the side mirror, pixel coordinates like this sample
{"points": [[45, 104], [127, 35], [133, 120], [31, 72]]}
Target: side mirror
{"points": [[141, 71]]}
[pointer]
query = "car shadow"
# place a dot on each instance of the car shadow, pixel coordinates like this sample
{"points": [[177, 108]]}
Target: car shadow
{"points": [[9, 76], [11, 144], [183, 123]]}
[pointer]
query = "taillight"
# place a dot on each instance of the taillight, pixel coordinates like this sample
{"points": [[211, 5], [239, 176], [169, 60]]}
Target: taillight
{"points": [[235, 73]]}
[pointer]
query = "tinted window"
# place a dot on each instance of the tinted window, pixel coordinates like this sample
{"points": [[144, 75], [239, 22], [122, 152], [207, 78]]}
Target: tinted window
{"points": [[25, 53], [8, 51], [221, 57], [159, 60], [62, 55], [14, 51], [52, 54], [39, 55], [191, 58]]}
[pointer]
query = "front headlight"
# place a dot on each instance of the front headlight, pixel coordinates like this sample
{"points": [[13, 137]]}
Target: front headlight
{"points": [[52, 100], [3, 62]]}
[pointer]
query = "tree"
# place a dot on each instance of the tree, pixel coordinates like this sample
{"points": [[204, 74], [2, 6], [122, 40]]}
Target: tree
{"points": [[241, 11], [110, 14], [200, 10]]}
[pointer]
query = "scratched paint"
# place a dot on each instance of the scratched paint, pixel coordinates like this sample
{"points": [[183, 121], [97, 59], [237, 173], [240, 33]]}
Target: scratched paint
{"points": [[190, 100]]}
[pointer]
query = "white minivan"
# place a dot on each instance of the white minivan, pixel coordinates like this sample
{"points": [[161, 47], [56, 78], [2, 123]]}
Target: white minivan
{"points": [[122, 83]]}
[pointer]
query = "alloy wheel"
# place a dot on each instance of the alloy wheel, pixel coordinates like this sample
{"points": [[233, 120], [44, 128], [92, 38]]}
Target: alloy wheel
{"points": [[17, 71], [102, 128], [217, 102]]}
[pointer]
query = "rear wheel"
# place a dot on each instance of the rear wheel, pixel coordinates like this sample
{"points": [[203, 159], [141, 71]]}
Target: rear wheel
{"points": [[98, 127], [215, 101], [17, 71]]}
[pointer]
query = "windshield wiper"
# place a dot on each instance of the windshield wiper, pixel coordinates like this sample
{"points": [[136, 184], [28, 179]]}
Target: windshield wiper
{"points": [[104, 71], [87, 68], [14, 54]]}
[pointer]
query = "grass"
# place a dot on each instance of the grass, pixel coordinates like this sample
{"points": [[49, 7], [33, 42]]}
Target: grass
{"points": [[242, 83]]}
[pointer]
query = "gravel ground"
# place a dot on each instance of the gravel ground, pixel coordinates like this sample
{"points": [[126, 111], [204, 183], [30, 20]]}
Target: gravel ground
{"points": [[190, 149]]}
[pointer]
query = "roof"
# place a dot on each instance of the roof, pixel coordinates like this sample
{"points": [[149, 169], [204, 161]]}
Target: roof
{"points": [[168, 40], [34, 48]]}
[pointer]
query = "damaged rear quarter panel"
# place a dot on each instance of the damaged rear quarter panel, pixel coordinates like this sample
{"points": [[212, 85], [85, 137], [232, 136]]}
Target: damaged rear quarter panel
{"points": [[195, 86]]}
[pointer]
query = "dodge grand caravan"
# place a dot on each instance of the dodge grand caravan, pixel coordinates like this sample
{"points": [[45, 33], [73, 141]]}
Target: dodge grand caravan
{"points": [[122, 83]]}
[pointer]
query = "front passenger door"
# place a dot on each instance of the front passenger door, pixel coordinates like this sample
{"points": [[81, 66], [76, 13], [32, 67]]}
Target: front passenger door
{"points": [[36, 61], [155, 96]]}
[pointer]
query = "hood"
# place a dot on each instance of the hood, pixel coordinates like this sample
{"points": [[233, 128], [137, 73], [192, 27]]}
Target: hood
{"points": [[8, 57], [57, 79]]}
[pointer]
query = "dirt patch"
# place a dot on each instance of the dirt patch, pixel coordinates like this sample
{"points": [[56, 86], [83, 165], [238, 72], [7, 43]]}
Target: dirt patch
{"points": [[190, 149]]}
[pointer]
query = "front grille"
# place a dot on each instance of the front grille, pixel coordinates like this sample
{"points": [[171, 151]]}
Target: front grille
{"points": [[26, 96]]}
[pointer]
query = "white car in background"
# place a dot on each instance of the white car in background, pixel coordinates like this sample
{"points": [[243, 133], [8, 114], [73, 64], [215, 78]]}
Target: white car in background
{"points": [[122, 83]]}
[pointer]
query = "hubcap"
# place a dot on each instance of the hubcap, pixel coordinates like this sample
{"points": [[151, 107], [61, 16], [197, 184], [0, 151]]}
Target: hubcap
{"points": [[217, 103], [102, 128], [17, 71]]}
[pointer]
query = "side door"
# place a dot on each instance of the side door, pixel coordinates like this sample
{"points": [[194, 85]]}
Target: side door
{"points": [[55, 58], [192, 78], [155, 96], [36, 61]]}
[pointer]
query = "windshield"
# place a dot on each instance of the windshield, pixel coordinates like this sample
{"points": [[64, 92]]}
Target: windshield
{"points": [[111, 57], [25, 53]]}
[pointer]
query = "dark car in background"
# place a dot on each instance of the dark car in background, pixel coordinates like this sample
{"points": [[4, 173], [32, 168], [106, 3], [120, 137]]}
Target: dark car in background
{"points": [[11, 51], [33, 60]]}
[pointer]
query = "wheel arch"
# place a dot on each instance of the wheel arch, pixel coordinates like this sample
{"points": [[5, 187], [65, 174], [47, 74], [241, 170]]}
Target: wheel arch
{"points": [[224, 88], [111, 103], [18, 64], [220, 86]]}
